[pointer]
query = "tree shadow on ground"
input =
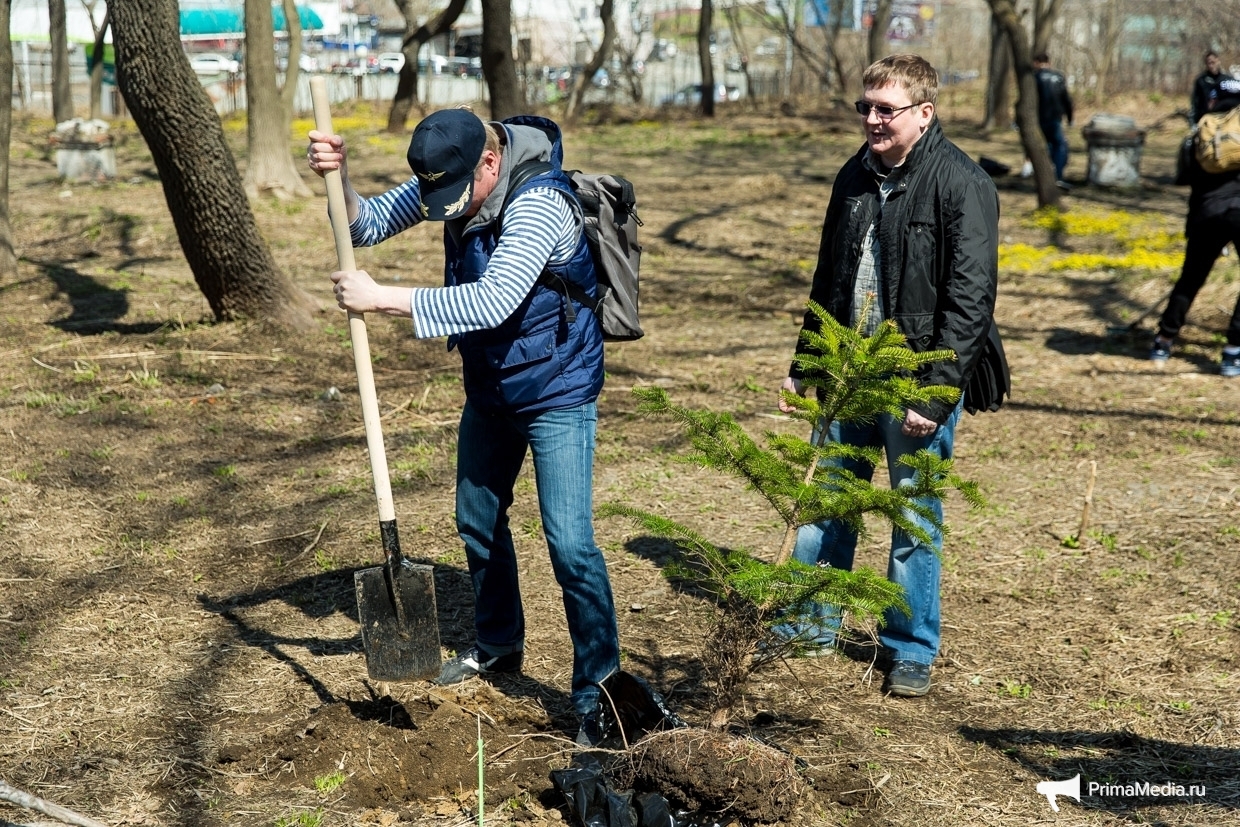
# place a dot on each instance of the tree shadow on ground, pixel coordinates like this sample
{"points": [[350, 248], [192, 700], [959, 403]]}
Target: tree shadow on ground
{"points": [[1114, 306], [322, 595], [1075, 413], [96, 307], [1077, 343], [1133, 343], [1115, 767]]}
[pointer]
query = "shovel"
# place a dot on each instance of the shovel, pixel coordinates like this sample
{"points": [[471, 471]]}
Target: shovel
{"points": [[395, 601]]}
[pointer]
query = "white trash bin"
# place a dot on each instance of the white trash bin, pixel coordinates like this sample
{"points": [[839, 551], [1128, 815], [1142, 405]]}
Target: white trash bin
{"points": [[84, 150], [1115, 145]]}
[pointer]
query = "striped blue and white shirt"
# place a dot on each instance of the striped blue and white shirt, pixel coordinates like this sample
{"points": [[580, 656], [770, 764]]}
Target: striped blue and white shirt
{"points": [[540, 229]]}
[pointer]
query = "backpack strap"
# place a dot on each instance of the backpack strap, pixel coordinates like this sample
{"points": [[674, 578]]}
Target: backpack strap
{"points": [[521, 174], [573, 291], [524, 171]]}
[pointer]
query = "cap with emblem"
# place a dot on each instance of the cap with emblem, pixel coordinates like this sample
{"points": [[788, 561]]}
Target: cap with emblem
{"points": [[443, 153]]}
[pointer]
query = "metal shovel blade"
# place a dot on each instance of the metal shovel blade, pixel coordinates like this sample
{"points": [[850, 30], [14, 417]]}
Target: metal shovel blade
{"points": [[400, 623]]}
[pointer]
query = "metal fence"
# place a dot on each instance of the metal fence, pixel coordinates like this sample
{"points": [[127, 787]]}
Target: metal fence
{"points": [[32, 88]]}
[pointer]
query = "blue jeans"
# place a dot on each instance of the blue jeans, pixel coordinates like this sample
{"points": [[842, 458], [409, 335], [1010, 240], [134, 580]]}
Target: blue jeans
{"points": [[912, 565], [1057, 146], [490, 451]]}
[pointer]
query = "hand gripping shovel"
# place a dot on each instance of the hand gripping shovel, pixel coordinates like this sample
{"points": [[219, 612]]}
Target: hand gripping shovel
{"points": [[396, 601]]}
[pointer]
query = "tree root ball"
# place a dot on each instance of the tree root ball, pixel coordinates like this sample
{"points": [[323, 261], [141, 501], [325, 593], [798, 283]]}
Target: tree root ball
{"points": [[704, 770]]}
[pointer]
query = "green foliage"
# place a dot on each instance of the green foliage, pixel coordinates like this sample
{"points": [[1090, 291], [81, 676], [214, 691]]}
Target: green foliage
{"points": [[305, 818], [740, 581], [854, 378], [329, 783]]}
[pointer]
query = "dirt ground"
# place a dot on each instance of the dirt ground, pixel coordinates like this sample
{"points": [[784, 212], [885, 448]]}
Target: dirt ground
{"points": [[183, 505]]}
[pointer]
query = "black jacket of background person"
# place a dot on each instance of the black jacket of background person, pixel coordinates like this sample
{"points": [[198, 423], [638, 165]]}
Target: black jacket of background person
{"points": [[1212, 195], [1204, 87], [1054, 102], [939, 264]]}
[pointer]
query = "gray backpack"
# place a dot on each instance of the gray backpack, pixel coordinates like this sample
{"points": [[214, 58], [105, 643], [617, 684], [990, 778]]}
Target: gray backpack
{"points": [[610, 208]]}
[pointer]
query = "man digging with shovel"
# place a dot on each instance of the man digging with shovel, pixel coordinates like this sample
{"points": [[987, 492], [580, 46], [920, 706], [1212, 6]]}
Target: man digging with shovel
{"points": [[532, 369]]}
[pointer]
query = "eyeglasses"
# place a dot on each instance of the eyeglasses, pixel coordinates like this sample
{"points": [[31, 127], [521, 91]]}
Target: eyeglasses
{"points": [[885, 113]]}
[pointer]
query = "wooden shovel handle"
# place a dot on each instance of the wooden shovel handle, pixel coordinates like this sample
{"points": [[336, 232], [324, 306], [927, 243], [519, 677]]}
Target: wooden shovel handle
{"points": [[338, 213]]}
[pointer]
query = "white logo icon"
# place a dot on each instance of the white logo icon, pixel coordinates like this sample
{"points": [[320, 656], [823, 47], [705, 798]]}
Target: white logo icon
{"points": [[1070, 788]]}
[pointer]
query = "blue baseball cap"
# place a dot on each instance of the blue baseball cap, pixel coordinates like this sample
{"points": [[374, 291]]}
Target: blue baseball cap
{"points": [[443, 153]]}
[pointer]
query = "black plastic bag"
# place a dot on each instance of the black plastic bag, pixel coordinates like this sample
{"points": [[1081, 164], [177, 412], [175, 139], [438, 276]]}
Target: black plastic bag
{"points": [[593, 803], [628, 706], [591, 800]]}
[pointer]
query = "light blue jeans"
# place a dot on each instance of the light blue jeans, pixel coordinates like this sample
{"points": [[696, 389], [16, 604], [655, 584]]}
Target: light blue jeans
{"points": [[912, 565], [490, 451]]}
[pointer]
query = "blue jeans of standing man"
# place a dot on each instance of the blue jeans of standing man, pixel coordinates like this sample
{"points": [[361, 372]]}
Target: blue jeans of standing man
{"points": [[913, 565], [1057, 146], [490, 451]]}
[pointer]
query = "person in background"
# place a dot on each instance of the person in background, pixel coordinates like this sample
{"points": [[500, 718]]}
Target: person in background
{"points": [[1054, 104], [1205, 87], [1213, 222], [913, 222], [532, 372]]}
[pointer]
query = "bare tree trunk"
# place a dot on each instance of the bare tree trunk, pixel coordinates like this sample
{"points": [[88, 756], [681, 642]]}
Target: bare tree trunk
{"points": [[1109, 29], [876, 40], [62, 93], [705, 24], [738, 38], [407, 85], [96, 66], [998, 79], [288, 92], [595, 63], [632, 79], [1045, 13], [806, 58], [231, 262], [271, 169], [833, 53], [8, 256], [498, 67], [1031, 137]]}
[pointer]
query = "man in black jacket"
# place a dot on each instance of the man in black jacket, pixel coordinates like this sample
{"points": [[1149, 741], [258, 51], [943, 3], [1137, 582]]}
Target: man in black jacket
{"points": [[913, 222], [1205, 87], [1054, 104], [1213, 222]]}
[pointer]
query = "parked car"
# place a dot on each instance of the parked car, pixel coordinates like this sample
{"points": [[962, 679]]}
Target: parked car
{"points": [[691, 95], [391, 62], [213, 64]]}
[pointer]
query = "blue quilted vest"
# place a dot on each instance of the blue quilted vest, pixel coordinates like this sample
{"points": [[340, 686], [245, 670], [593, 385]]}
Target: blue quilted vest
{"points": [[537, 359]]}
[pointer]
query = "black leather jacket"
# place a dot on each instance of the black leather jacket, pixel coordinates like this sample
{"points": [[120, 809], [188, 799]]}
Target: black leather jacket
{"points": [[1054, 102], [1205, 88], [939, 237]]}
